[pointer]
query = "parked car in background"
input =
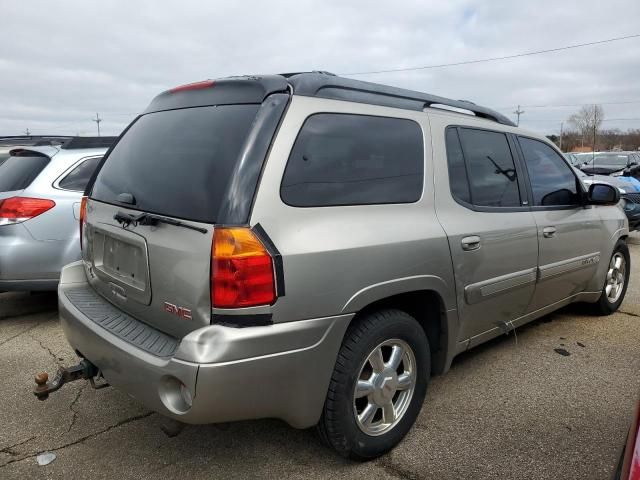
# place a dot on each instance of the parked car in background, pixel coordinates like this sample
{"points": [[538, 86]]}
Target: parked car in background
{"points": [[313, 248], [40, 192], [629, 465], [629, 188], [573, 159], [610, 163]]}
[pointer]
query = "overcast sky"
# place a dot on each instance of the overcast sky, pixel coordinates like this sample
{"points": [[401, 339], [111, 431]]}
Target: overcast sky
{"points": [[61, 62]]}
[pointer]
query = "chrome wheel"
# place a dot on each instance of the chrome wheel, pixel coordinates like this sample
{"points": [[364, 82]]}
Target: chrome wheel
{"points": [[385, 387], [615, 277]]}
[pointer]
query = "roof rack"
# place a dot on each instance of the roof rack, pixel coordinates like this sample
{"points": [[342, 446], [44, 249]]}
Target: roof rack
{"points": [[255, 88], [328, 85]]}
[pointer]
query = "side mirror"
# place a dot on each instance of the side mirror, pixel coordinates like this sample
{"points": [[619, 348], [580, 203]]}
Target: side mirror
{"points": [[603, 194]]}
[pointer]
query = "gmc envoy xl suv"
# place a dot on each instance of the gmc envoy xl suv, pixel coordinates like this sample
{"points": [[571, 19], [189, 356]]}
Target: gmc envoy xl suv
{"points": [[313, 248]]}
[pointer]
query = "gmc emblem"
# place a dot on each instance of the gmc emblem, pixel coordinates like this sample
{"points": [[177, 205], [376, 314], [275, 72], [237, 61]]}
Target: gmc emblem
{"points": [[181, 312]]}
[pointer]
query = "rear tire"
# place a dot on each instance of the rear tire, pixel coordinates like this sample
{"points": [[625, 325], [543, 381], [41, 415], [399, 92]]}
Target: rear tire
{"points": [[616, 281], [378, 385]]}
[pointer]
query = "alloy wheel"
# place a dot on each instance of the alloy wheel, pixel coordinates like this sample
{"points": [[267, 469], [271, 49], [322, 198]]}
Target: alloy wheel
{"points": [[385, 387], [615, 277]]}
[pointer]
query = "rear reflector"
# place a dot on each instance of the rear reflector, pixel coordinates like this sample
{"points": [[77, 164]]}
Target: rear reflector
{"points": [[193, 86], [19, 209], [242, 270], [83, 216]]}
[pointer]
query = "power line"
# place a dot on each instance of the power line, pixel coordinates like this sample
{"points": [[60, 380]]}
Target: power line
{"points": [[493, 59], [626, 102], [604, 120]]}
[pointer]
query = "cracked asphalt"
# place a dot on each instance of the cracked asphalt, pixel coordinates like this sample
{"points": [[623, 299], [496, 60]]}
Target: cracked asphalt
{"points": [[513, 408]]}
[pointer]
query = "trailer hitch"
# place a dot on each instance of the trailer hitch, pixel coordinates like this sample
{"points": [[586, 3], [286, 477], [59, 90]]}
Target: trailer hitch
{"points": [[84, 370]]}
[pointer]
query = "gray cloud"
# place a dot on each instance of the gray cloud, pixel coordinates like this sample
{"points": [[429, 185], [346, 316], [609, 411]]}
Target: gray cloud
{"points": [[61, 62]]}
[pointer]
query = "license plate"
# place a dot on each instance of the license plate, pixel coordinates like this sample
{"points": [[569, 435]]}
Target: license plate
{"points": [[124, 261]]}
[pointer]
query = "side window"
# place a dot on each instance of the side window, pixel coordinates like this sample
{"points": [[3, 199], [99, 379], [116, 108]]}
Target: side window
{"points": [[78, 178], [458, 179], [493, 181], [552, 181], [341, 159]]}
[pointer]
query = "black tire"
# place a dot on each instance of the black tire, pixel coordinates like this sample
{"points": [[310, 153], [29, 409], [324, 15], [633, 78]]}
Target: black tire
{"points": [[338, 427], [604, 306]]}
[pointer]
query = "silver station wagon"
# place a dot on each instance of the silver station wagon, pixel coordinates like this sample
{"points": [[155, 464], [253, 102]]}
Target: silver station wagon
{"points": [[314, 248], [41, 188]]}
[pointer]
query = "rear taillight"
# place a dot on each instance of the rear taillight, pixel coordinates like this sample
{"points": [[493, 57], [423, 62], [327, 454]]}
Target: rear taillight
{"points": [[83, 216], [242, 272], [19, 209]]}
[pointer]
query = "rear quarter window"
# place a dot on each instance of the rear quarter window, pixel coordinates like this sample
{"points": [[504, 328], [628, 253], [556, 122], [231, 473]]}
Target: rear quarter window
{"points": [[345, 159], [78, 178]]}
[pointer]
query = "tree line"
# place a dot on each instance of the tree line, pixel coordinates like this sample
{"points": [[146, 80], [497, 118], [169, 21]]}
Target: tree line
{"points": [[584, 131]]}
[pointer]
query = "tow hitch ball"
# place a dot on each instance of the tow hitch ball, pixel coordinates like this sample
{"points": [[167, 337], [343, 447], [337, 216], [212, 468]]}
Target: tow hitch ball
{"points": [[85, 370]]}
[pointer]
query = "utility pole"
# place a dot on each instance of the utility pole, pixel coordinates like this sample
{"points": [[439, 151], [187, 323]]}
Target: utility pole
{"points": [[27, 132], [561, 125], [98, 120], [518, 112]]}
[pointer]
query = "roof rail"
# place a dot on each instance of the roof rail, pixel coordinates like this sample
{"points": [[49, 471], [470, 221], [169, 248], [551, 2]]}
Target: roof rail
{"points": [[328, 85]]}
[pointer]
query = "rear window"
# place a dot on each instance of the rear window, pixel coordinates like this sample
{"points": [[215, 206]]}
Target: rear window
{"points": [[177, 162], [17, 173], [341, 159]]}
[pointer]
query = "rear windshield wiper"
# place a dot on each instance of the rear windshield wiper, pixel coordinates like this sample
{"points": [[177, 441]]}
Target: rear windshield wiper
{"points": [[150, 219]]}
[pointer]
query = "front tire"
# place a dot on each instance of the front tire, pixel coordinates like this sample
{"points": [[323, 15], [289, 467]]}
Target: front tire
{"points": [[378, 385], [616, 281]]}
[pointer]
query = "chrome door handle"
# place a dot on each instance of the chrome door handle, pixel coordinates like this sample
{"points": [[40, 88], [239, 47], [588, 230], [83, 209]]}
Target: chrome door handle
{"points": [[549, 232], [470, 243]]}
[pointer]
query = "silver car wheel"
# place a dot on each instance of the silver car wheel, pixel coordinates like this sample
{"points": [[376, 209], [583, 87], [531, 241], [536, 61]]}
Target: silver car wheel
{"points": [[615, 277], [385, 387]]}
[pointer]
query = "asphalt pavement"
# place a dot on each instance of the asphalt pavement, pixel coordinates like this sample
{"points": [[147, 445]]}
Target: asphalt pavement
{"points": [[513, 408]]}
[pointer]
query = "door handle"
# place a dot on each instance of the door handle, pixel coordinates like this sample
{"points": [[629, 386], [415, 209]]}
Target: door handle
{"points": [[470, 243], [549, 232]]}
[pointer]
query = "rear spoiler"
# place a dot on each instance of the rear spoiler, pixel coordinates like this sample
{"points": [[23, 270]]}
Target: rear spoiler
{"points": [[26, 152]]}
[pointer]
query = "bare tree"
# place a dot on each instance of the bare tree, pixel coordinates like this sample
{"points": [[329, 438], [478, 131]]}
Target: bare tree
{"points": [[587, 121]]}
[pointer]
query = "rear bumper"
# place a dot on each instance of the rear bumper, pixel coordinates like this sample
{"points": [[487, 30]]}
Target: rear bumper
{"points": [[29, 285], [30, 264], [278, 371]]}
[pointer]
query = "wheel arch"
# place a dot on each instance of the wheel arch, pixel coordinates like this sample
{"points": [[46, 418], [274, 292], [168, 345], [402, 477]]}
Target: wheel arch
{"points": [[429, 308]]}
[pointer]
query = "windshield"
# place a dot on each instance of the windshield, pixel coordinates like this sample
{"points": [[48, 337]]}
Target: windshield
{"points": [[177, 162]]}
